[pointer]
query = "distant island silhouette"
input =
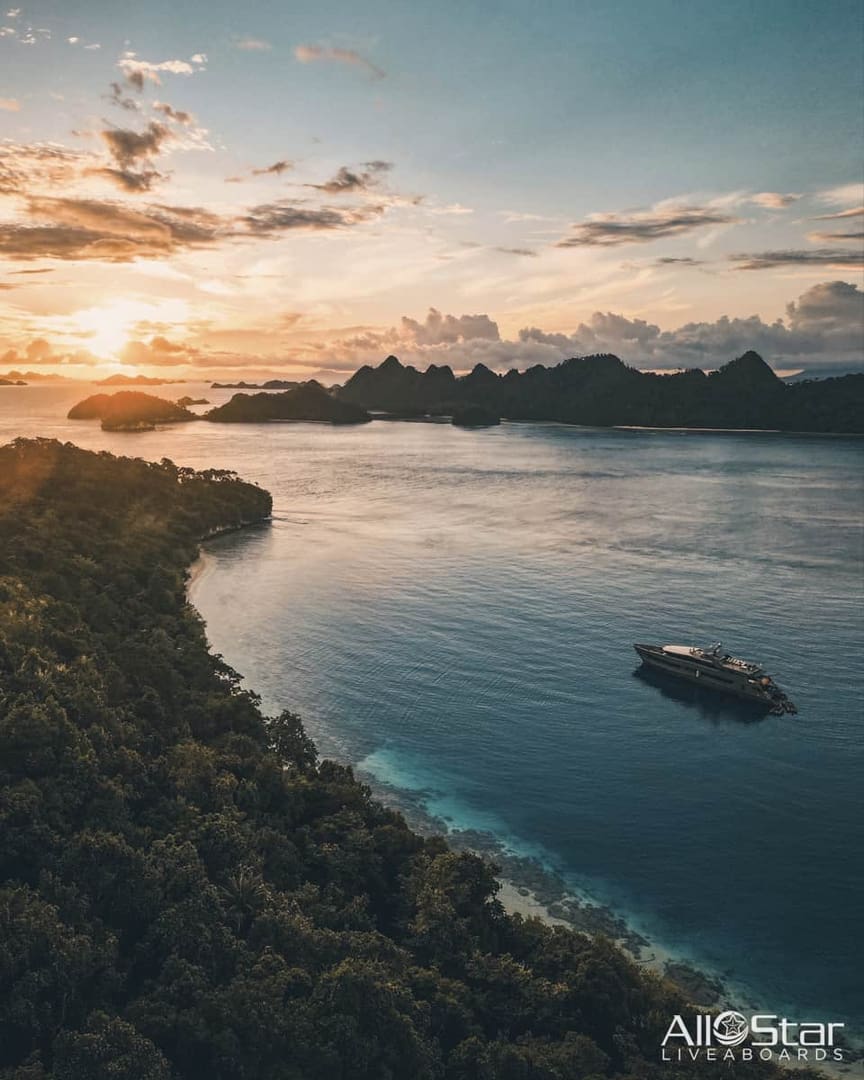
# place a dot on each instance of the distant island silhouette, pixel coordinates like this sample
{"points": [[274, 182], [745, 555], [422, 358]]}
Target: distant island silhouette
{"points": [[602, 391], [271, 384], [308, 401], [132, 410], [596, 391], [129, 410], [135, 380]]}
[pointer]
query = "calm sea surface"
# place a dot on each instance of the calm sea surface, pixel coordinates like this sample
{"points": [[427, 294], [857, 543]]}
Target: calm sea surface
{"points": [[454, 612]]}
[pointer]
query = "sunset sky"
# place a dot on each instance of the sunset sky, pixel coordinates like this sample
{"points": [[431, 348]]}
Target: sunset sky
{"points": [[229, 189]]}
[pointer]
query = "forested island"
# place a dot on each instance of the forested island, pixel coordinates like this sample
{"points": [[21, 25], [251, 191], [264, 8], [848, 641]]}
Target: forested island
{"points": [[308, 401], [12, 382], [187, 891], [130, 410], [602, 391]]}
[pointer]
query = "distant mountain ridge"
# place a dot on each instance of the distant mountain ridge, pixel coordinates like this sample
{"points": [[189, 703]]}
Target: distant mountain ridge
{"points": [[602, 391], [135, 380]]}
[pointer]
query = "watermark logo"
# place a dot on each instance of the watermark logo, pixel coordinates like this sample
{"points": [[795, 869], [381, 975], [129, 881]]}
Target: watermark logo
{"points": [[768, 1037], [731, 1028]]}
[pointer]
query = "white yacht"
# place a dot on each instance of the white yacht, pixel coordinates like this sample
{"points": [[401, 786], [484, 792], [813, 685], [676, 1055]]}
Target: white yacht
{"points": [[717, 670]]}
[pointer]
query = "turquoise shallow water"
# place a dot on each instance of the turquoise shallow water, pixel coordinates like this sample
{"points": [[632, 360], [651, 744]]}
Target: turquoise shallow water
{"points": [[455, 611]]}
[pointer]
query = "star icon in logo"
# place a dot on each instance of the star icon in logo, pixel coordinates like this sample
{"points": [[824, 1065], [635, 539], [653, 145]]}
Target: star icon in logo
{"points": [[733, 1026], [730, 1028]]}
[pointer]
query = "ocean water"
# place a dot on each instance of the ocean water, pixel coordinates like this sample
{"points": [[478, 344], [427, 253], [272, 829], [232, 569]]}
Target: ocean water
{"points": [[454, 611]]}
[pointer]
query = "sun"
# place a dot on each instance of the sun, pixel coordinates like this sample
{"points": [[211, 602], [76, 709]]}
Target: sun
{"points": [[107, 328]]}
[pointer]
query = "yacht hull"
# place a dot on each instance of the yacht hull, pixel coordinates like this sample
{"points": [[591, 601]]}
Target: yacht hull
{"points": [[679, 667]]}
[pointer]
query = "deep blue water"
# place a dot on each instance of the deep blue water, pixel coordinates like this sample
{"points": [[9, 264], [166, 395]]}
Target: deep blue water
{"points": [[454, 611]]}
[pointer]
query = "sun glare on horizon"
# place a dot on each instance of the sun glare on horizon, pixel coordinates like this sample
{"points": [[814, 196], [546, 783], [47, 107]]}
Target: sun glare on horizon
{"points": [[106, 329]]}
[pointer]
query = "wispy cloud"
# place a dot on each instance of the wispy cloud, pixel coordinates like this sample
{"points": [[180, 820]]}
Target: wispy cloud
{"points": [[276, 169], [137, 71], [119, 97], [308, 54], [855, 211], [855, 236], [817, 257], [513, 216], [90, 229], [643, 226], [455, 209], [350, 181], [274, 218], [252, 44], [10, 105], [179, 116], [774, 200], [26, 166], [843, 195]]}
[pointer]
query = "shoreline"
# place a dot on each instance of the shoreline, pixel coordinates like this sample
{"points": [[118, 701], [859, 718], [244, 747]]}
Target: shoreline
{"points": [[530, 889]]}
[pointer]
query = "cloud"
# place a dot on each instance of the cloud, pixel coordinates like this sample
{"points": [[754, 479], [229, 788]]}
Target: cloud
{"points": [[129, 147], [179, 116], [641, 227], [132, 152], [136, 72], [131, 180], [10, 105], [853, 212], [276, 169], [349, 182], [683, 261], [833, 310], [450, 208], [836, 237], [774, 200], [118, 97], [87, 229], [38, 352], [412, 336], [25, 166], [159, 352], [511, 216], [438, 329], [843, 195], [770, 260], [252, 44], [822, 326], [517, 251], [273, 218], [308, 54]]}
